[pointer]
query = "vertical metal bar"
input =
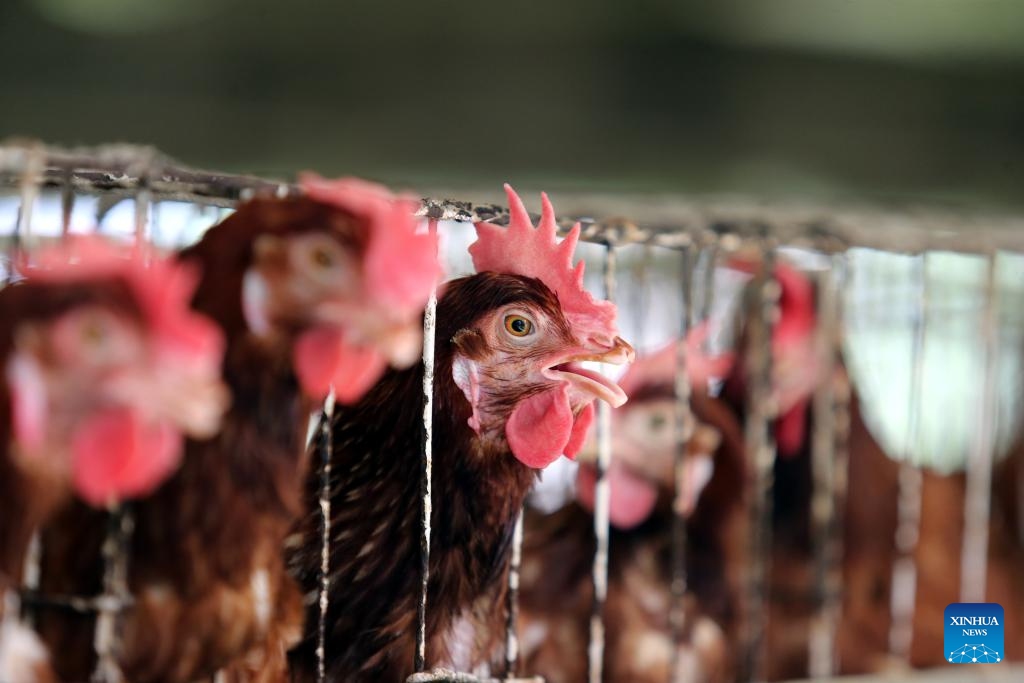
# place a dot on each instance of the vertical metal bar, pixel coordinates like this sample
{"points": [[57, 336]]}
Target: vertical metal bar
{"points": [[831, 426], [121, 524], [512, 601], [683, 432], [143, 200], [977, 503], [760, 446], [33, 160], [641, 290], [904, 572], [426, 473], [67, 203], [708, 295], [106, 637], [31, 178], [602, 498], [31, 574], [326, 455]]}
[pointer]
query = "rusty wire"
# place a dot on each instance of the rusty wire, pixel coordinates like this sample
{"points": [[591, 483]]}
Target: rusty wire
{"points": [[602, 503], [760, 447], [684, 424], [426, 473], [978, 500], [831, 419], [904, 571]]}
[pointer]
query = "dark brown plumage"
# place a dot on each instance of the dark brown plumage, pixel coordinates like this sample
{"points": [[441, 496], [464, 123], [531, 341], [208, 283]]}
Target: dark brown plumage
{"points": [[478, 489], [205, 566]]}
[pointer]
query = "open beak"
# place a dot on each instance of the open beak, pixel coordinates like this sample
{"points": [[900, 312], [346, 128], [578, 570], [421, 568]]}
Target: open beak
{"points": [[568, 369], [401, 343]]}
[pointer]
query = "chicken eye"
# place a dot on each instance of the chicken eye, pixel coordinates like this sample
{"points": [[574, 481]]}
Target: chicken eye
{"points": [[321, 258], [93, 333], [657, 422], [518, 326]]}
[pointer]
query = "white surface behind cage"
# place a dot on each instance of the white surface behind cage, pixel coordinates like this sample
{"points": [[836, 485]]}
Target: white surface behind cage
{"points": [[881, 304], [174, 224]]}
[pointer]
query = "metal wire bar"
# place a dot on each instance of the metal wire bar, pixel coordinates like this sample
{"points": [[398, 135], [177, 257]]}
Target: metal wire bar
{"points": [[683, 431], [666, 221], [26, 169], [112, 170], [904, 572], [326, 455], [602, 502], [512, 600], [106, 638], [426, 472], [977, 503], [74, 603], [831, 428], [707, 300], [67, 205], [31, 574], [143, 202], [760, 446], [641, 291]]}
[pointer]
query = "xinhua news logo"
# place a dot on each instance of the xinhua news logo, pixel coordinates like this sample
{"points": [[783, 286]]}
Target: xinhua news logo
{"points": [[974, 633]]}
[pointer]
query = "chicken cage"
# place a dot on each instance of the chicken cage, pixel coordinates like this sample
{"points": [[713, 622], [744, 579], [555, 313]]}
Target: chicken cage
{"points": [[906, 485]]}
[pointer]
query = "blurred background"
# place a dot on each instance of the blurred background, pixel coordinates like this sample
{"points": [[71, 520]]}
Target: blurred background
{"points": [[914, 100]]}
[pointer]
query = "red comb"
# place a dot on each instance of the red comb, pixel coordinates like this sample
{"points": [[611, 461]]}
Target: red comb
{"points": [[400, 266], [162, 288], [522, 249], [796, 300]]}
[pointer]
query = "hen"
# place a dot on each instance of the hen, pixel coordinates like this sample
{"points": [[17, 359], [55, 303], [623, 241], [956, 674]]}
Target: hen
{"points": [[510, 398], [106, 370], [313, 292], [555, 599]]}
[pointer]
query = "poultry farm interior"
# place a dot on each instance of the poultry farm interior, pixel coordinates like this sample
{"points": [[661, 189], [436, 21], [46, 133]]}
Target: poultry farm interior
{"points": [[822, 447]]}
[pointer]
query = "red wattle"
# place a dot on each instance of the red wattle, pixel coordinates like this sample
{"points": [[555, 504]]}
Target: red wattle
{"points": [[632, 497], [580, 429], [323, 358], [540, 427], [115, 455]]}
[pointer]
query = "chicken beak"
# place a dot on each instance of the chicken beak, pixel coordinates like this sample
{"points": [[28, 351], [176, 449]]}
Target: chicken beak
{"points": [[621, 353], [401, 344], [193, 402], [586, 381]]}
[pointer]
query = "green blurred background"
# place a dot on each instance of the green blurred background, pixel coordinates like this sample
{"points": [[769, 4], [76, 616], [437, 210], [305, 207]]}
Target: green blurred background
{"points": [[914, 99]]}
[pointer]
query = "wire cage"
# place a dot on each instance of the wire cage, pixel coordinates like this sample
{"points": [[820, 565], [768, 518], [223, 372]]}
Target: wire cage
{"points": [[906, 303]]}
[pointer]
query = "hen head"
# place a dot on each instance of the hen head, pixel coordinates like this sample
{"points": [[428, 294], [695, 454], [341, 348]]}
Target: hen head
{"points": [[107, 368], [642, 471], [343, 274], [518, 362]]}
